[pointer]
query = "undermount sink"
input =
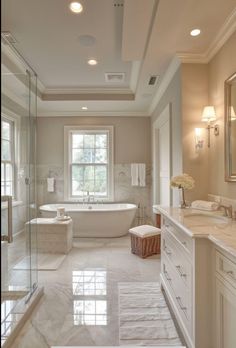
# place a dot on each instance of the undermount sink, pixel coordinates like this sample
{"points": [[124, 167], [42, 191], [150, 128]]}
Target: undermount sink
{"points": [[205, 219]]}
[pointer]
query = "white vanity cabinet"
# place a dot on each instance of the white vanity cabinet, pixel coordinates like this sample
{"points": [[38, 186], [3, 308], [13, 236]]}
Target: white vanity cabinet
{"points": [[225, 301], [177, 274], [200, 284]]}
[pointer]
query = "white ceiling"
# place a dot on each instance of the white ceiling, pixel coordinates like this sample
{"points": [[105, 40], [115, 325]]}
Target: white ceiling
{"points": [[139, 39]]}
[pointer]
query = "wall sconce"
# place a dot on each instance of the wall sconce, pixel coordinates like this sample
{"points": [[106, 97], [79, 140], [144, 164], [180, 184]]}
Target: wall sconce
{"points": [[209, 115], [232, 114], [198, 139]]}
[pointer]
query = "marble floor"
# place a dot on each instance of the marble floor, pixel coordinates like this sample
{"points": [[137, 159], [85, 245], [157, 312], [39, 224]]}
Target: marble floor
{"points": [[80, 304]]}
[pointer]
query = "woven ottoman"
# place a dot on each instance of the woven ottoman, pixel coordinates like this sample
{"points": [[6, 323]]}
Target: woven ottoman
{"points": [[145, 240]]}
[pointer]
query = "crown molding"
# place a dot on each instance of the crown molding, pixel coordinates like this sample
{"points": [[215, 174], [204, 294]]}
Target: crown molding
{"points": [[227, 29], [170, 72], [93, 114]]}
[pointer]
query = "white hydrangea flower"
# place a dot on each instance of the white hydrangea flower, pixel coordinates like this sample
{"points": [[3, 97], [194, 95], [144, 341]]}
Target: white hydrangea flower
{"points": [[184, 181]]}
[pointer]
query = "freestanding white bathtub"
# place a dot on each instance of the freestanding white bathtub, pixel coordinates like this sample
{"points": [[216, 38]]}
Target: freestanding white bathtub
{"points": [[95, 220]]}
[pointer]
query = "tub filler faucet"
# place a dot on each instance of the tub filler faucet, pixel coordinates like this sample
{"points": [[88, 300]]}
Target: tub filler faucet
{"points": [[88, 197]]}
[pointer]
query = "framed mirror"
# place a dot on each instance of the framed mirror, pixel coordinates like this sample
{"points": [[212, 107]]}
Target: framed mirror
{"points": [[230, 128]]}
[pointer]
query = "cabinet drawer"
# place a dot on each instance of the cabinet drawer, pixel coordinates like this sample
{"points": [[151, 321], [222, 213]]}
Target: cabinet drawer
{"points": [[226, 268], [183, 239], [180, 295], [180, 263]]}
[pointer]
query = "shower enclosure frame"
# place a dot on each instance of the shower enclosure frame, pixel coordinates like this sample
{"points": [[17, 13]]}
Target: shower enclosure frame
{"points": [[27, 79]]}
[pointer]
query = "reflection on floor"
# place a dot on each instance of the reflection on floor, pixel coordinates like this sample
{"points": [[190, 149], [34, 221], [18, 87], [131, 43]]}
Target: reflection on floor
{"points": [[91, 306], [80, 305]]}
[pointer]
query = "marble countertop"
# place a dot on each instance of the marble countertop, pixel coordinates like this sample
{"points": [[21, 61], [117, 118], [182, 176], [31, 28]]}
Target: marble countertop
{"points": [[220, 230]]}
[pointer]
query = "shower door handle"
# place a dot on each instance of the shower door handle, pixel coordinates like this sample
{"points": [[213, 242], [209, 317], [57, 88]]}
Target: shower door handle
{"points": [[8, 237]]}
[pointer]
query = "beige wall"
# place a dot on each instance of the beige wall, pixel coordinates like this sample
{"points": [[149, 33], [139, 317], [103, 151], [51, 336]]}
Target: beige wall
{"points": [[132, 138], [220, 68], [194, 98], [192, 87]]}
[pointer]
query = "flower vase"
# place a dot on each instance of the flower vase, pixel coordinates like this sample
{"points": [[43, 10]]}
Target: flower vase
{"points": [[182, 198]]}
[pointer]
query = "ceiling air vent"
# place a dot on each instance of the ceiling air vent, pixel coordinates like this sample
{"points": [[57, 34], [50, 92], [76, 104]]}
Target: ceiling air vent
{"points": [[118, 3], [153, 80], [115, 77]]}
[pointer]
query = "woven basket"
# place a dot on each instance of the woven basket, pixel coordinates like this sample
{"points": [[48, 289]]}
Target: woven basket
{"points": [[146, 246]]}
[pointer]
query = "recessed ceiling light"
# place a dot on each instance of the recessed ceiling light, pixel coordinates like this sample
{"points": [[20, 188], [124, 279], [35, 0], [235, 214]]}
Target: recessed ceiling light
{"points": [[84, 108], [195, 32], [76, 7], [92, 62]]}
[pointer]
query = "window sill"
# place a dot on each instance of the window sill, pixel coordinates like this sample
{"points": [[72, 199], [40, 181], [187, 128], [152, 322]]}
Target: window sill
{"points": [[14, 204]]}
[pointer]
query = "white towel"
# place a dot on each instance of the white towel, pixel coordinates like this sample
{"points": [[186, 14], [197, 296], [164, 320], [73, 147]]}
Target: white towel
{"points": [[142, 174], [205, 205], [50, 182], [134, 174]]}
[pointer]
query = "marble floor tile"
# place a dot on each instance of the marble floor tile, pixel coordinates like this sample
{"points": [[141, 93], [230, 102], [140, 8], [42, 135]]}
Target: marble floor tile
{"points": [[80, 305]]}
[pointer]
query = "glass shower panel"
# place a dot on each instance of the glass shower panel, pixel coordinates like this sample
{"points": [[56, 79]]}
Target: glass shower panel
{"points": [[18, 183], [15, 112], [32, 180]]}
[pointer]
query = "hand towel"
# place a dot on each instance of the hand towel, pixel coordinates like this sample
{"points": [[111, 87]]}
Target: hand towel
{"points": [[134, 174], [205, 205], [142, 174], [50, 183]]}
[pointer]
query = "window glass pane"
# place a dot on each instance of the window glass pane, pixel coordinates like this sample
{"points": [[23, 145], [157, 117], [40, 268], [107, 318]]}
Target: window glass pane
{"points": [[9, 172], [89, 141], [6, 150], [77, 141], [77, 156], [101, 140], [6, 130], [101, 188], [100, 173], [83, 156], [101, 156], [2, 172], [77, 173], [88, 173], [3, 189], [9, 188], [77, 188], [88, 156]]}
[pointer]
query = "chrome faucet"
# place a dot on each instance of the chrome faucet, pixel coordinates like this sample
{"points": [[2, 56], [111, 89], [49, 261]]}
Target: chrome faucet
{"points": [[89, 197], [228, 210]]}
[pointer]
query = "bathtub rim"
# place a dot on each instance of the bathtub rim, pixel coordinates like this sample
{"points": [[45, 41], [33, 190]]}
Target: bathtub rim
{"points": [[131, 206]]}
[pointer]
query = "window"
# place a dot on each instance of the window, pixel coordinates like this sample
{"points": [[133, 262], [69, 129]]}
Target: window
{"points": [[89, 162], [7, 158]]}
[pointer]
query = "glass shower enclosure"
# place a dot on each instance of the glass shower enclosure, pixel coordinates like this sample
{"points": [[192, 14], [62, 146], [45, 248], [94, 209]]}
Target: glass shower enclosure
{"points": [[18, 188]]}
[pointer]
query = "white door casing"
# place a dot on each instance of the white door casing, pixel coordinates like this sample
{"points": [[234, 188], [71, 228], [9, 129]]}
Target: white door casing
{"points": [[162, 158]]}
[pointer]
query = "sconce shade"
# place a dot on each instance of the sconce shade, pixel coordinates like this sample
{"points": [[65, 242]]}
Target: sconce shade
{"points": [[208, 114], [232, 113]]}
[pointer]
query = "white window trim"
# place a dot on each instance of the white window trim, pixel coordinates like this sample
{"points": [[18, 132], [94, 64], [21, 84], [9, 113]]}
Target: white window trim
{"points": [[70, 129], [15, 119]]}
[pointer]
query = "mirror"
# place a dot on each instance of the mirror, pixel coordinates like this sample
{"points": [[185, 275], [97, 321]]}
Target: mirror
{"points": [[230, 128]]}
